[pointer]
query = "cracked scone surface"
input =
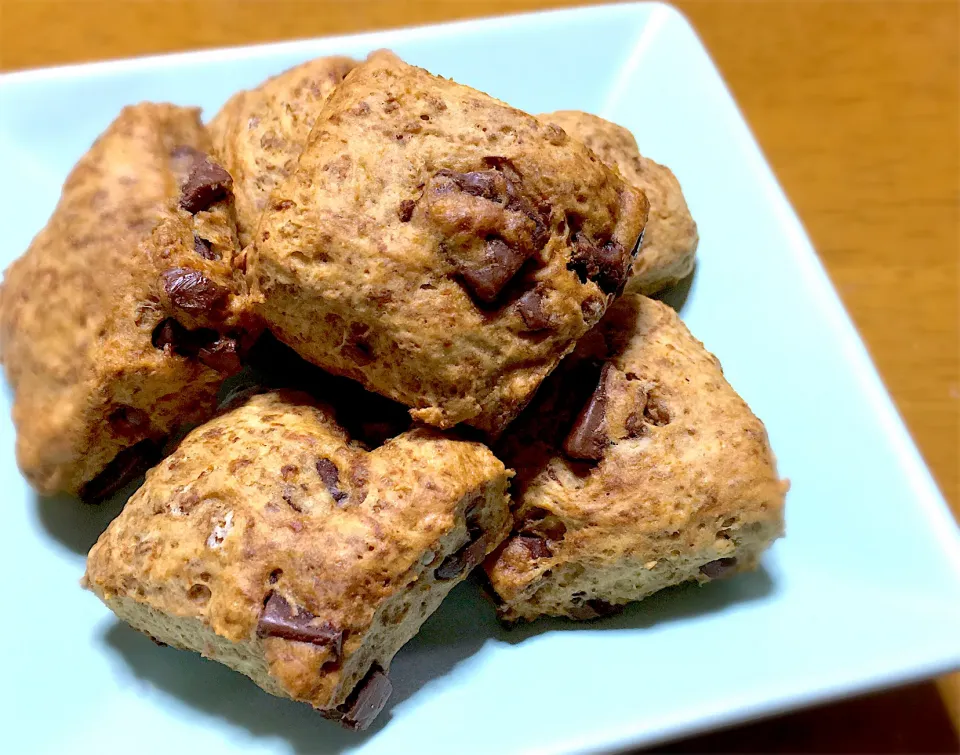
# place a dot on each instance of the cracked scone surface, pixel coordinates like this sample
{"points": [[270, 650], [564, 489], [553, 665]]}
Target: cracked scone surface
{"points": [[670, 239], [271, 542], [441, 247], [119, 321], [259, 133], [638, 467]]}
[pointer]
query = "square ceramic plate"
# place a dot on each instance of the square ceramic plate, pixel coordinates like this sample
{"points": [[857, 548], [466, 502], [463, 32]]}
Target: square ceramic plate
{"points": [[864, 592]]}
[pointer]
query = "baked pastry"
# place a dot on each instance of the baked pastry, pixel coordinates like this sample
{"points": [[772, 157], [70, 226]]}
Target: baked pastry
{"points": [[441, 247], [670, 240], [271, 542], [638, 467], [259, 133], [120, 321]]}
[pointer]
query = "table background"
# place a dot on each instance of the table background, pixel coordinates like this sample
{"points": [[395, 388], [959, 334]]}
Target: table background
{"points": [[856, 105]]}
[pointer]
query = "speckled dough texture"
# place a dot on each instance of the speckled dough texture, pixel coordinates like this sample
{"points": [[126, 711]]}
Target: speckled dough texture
{"points": [[271, 502], [81, 310], [259, 133], [441, 247], [670, 239], [685, 487]]}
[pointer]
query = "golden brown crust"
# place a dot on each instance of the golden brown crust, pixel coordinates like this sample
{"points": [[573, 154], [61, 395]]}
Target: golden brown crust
{"points": [[670, 239], [440, 246], [79, 310], [685, 473], [259, 133], [272, 498]]}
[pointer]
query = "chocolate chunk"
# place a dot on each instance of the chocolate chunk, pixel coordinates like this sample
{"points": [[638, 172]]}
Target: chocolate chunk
{"points": [[720, 568], [127, 465], [488, 184], [366, 701], [192, 291], [607, 264], [128, 420], [158, 643], [279, 620], [406, 210], [167, 333], [614, 264], [500, 262], [594, 609], [203, 248], [207, 183], [535, 545], [530, 309], [588, 437], [221, 353], [331, 478], [464, 559], [170, 335], [221, 356], [490, 229]]}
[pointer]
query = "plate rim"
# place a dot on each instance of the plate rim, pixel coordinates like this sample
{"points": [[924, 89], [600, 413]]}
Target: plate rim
{"points": [[932, 505]]}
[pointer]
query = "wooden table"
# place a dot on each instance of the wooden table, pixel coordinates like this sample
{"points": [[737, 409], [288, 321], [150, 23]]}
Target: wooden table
{"points": [[855, 105]]}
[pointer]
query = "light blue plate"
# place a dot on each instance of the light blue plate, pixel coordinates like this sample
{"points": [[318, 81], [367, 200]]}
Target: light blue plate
{"points": [[864, 592]]}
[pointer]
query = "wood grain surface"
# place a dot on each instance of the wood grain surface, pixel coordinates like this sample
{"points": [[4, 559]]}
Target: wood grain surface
{"points": [[856, 106]]}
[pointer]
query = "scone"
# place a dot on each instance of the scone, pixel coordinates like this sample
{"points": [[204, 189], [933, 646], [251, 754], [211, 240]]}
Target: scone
{"points": [[121, 320], [273, 543], [259, 133], [441, 247], [670, 240], [638, 467]]}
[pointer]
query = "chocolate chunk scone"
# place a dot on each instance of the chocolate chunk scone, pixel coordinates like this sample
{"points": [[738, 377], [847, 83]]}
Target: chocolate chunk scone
{"points": [[670, 240], [273, 543], [259, 133], [638, 467], [121, 320], [441, 247]]}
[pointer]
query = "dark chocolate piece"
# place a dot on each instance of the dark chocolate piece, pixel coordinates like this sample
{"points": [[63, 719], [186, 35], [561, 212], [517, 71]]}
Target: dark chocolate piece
{"points": [[331, 478], [221, 356], [464, 559], [279, 620], [366, 701], [126, 466], [192, 291], [207, 183], [588, 437], [530, 308]]}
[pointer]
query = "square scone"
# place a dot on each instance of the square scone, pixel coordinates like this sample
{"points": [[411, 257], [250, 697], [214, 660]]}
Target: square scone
{"points": [[273, 543], [259, 133], [638, 467], [441, 247], [670, 239], [122, 319]]}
